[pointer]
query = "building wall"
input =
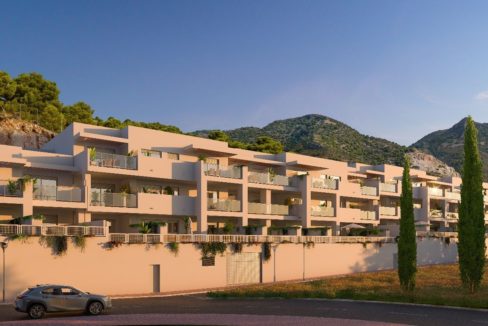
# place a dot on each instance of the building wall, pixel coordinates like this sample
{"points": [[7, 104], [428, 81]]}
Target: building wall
{"points": [[127, 269]]}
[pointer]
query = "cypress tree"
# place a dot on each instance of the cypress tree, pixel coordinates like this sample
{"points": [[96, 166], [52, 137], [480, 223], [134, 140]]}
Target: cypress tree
{"points": [[471, 229], [407, 245]]}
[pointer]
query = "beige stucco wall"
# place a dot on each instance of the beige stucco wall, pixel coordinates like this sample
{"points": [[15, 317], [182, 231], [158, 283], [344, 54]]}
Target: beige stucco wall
{"points": [[127, 269]]}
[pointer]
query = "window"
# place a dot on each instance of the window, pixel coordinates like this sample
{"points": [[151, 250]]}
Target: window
{"points": [[174, 156], [208, 261], [48, 291], [45, 188], [68, 291], [151, 189], [150, 153], [50, 219], [173, 227]]}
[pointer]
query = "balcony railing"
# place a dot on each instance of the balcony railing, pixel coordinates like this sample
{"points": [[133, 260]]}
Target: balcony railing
{"points": [[113, 199], [453, 195], [10, 188], [368, 215], [53, 230], [69, 194], [224, 205], [325, 183], [116, 161], [323, 211], [267, 178], [199, 238], [265, 209], [436, 192], [215, 170], [388, 211], [369, 191], [436, 213], [388, 187], [452, 215]]}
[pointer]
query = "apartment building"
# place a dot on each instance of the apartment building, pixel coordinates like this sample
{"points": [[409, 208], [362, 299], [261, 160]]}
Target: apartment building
{"points": [[93, 175]]}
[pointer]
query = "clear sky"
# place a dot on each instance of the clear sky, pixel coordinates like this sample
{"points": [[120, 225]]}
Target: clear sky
{"points": [[393, 69]]}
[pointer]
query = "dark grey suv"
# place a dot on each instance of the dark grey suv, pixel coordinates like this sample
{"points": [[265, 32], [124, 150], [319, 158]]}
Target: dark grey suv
{"points": [[36, 301]]}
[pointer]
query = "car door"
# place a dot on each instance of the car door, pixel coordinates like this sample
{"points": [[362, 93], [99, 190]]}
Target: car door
{"points": [[53, 299], [73, 299]]}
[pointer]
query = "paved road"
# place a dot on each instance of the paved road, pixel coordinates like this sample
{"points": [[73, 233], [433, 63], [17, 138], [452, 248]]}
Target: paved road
{"points": [[367, 311]]}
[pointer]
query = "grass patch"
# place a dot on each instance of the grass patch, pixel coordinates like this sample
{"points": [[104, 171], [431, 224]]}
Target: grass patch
{"points": [[437, 285]]}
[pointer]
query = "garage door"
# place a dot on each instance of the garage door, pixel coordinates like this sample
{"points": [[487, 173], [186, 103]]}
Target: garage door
{"points": [[243, 268]]}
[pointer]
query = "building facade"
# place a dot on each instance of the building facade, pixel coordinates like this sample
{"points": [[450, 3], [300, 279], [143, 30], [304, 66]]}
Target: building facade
{"points": [[91, 175]]}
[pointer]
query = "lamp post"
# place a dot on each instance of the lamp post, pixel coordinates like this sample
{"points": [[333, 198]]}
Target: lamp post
{"points": [[4, 246], [274, 261]]}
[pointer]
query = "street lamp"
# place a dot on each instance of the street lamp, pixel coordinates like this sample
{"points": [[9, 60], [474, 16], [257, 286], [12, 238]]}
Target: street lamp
{"points": [[4, 246]]}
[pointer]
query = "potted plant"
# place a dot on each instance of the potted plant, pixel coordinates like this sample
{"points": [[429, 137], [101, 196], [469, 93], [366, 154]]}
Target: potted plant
{"points": [[12, 187], [168, 190]]}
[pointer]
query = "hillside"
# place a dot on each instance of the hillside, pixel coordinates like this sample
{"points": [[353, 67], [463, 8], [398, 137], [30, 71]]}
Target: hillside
{"points": [[23, 133], [447, 145]]}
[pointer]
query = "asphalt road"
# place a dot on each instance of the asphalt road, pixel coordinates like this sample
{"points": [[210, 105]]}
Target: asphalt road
{"points": [[367, 311]]}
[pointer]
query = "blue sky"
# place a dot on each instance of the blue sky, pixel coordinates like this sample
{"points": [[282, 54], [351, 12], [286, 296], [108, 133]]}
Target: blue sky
{"points": [[392, 69]]}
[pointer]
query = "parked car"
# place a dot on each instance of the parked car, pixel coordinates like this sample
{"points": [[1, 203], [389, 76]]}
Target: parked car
{"points": [[38, 300]]}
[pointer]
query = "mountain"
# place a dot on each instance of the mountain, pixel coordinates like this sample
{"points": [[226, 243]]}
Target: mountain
{"points": [[321, 136], [447, 145]]}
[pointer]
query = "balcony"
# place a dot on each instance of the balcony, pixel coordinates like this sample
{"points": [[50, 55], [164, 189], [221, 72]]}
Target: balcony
{"points": [[115, 161], [224, 205], [436, 213], [267, 178], [388, 187], [453, 195], [369, 191], [438, 192], [57, 193], [265, 209], [10, 188], [452, 215], [113, 199], [322, 211], [215, 170], [368, 215], [389, 211], [325, 183]]}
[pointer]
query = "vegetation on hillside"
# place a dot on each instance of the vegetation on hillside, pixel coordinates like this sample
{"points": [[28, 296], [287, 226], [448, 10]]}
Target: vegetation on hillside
{"points": [[471, 245]]}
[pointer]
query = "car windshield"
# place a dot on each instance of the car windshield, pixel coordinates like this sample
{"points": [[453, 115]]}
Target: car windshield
{"points": [[26, 291]]}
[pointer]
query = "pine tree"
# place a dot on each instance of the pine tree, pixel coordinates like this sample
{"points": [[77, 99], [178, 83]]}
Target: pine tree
{"points": [[471, 247], [407, 245]]}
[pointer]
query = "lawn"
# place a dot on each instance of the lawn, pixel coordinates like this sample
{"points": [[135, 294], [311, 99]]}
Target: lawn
{"points": [[438, 285]]}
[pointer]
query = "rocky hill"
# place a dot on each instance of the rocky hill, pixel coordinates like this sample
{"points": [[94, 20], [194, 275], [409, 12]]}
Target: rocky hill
{"points": [[23, 133], [447, 145]]}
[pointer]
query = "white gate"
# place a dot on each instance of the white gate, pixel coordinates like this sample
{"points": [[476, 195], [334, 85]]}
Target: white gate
{"points": [[243, 268]]}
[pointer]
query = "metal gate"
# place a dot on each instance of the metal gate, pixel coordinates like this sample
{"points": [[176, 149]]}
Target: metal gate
{"points": [[243, 268]]}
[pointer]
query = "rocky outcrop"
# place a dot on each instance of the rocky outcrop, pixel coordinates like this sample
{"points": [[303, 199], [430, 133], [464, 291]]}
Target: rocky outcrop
{"points": [[23, 133], [428, 163]]}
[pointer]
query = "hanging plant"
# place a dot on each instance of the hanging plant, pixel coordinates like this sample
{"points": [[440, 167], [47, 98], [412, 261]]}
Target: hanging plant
{"points": [[174, 247], [79, 241], [236, 247], [12, 187], [58, 244], [211, 249], [266, 251], [25, 180]]}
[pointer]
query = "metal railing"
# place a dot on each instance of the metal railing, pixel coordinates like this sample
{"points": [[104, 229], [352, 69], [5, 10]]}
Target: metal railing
{"points": [[267, 178], [388, 187], [52, 230], [113, 199], [215, 170], [325, 183], [224, 205], [68, 194], [198, 238], [271, 209], [388, 211], [109, 160], [370, 191], [322, 211], [10, 188]]}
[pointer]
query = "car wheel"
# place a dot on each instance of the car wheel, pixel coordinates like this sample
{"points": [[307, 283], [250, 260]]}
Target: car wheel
{"points": [[36, 311], [95, 308]]}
